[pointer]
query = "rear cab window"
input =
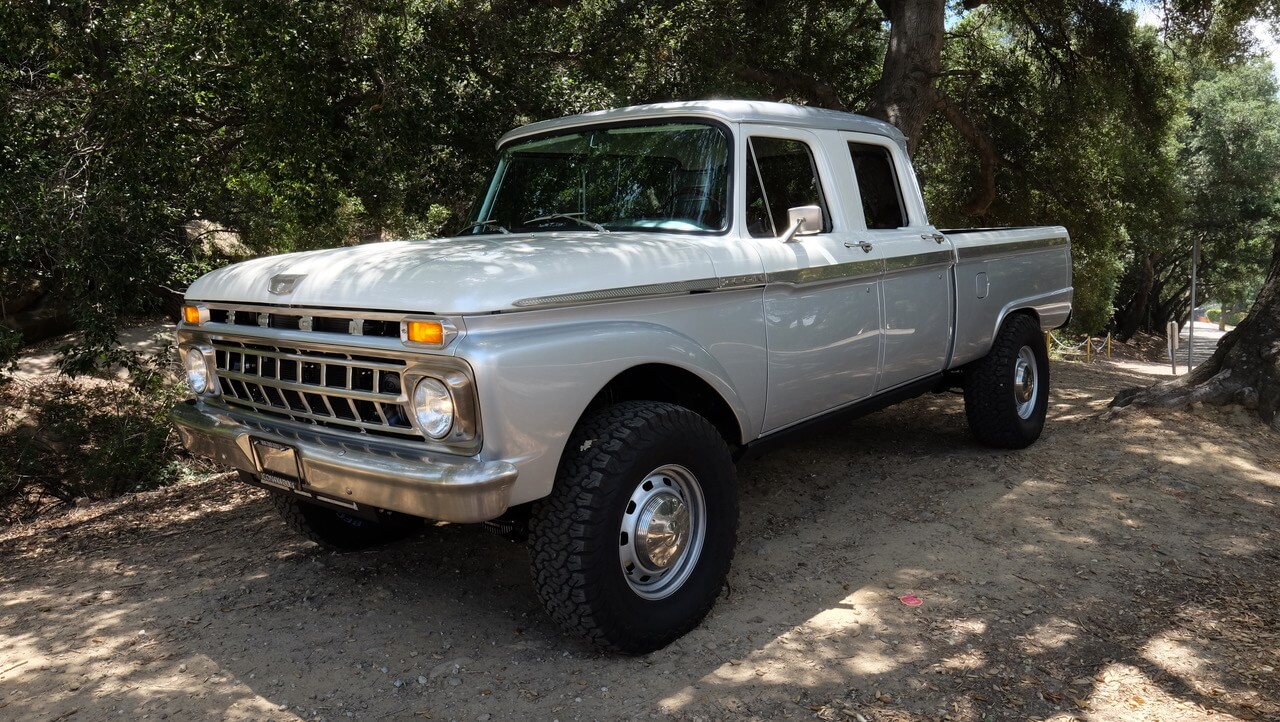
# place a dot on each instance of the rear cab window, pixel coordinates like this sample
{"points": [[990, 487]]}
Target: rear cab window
{"points": [[878, 187], [781, 174]]}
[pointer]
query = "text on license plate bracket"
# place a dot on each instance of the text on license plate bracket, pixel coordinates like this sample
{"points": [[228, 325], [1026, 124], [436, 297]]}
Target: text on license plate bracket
{"points": [[279, 464]]}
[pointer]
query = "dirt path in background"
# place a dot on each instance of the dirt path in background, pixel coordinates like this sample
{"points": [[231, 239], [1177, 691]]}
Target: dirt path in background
{"points": [[1117, 570]]}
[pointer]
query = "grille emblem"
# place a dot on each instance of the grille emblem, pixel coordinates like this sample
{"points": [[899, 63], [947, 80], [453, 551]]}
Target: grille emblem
{"points": [[284, 283]]}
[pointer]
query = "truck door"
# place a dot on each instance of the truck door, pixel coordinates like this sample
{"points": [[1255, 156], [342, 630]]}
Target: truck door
{"points": [[822, 299], [917, 291]]}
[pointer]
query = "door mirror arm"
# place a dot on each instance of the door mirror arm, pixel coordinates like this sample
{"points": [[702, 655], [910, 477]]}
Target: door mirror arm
{"points": [[804, 221]]}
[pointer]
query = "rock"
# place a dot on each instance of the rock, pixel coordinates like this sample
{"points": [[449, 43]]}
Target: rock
{"points": [[449, 667], [422, 680], [397, 684], [455, 681], [484, 717]]}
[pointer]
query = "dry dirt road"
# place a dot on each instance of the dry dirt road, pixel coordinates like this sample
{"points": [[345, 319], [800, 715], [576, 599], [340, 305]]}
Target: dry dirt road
{"points": [[1119, 569]]}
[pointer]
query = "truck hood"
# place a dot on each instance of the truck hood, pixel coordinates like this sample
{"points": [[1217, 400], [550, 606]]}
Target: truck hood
{"points": [[459, 276]]}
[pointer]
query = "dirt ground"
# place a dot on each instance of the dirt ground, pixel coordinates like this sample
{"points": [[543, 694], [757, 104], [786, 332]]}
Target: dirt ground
{"points": [[1119, 569]]}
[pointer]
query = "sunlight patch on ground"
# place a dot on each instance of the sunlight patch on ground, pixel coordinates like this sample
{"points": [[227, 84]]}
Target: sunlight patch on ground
{"points": [[838, 644], [1124, 692], [970, 660], [1048, 636]]}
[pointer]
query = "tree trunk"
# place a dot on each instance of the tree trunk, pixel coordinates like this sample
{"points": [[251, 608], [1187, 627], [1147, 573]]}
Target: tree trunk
{"points": [[905, 95], [1244, 369], [1134, 315]]}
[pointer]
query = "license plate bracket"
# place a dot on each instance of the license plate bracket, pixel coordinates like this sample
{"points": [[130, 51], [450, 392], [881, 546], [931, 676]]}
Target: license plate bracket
{"points": [[278, 464]]}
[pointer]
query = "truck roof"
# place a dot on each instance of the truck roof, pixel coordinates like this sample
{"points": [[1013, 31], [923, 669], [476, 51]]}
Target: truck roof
{"points": [[730, 111]]}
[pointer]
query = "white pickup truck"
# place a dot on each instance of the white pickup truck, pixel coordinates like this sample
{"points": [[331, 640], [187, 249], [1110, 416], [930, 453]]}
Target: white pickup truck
{"points": [[640, 297]]}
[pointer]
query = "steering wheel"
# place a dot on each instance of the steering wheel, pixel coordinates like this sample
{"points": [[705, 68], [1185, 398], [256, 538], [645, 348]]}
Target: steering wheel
{"points": [[693, 193]]}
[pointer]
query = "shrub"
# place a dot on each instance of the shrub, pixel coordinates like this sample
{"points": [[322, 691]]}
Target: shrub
{"points": [[64, 439], [1233, 317]]}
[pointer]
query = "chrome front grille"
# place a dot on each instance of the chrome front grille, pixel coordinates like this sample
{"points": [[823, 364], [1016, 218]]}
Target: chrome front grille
{"points": [[342, 391]]}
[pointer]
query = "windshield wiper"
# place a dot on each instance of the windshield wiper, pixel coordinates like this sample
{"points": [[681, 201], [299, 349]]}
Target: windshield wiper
{"points": [[491, 223], [567, 217]]}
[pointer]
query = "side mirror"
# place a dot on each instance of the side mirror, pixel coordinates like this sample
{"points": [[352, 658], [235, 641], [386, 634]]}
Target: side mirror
{"points": [[804, 221]]}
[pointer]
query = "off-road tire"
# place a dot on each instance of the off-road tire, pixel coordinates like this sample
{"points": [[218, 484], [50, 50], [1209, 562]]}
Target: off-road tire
{"points": [[575, 531], [338, 531], [989, 400]]}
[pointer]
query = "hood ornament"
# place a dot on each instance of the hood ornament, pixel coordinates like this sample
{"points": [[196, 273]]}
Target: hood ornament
{"points": [[284, 283]]}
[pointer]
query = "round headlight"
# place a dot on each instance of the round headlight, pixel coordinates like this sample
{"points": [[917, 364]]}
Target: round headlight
{"points": [[433, 406], [197, 370]]}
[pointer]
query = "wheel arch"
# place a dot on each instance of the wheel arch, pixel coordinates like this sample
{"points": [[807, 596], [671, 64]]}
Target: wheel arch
{"points": [[675, 385]]}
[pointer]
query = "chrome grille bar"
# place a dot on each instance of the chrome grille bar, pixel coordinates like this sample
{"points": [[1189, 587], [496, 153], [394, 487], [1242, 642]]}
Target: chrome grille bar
{"points": [[340, 390]]}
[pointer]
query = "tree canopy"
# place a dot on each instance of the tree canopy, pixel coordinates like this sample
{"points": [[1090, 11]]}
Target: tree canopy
{"points": [[138, 135]]}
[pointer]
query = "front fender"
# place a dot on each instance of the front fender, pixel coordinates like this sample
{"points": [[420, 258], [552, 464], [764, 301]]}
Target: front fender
{"points": [[535, 381]]}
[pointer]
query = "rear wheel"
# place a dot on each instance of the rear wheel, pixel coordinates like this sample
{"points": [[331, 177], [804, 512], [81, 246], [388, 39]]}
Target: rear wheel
{"points": [[1006, 392], [341, 531], [632, 547]]}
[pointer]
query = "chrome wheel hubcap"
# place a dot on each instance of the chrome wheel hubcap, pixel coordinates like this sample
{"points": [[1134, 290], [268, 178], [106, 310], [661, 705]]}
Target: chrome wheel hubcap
{"points": [[662, 532], [1025, 390]]}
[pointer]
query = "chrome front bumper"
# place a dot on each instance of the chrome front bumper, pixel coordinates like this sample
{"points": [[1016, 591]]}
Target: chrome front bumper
{"points": [[434, 486]]}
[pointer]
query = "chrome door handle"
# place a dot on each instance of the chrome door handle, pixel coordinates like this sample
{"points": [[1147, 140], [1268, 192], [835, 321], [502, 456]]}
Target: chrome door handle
{"points": [[864, 245], [933, 237]]}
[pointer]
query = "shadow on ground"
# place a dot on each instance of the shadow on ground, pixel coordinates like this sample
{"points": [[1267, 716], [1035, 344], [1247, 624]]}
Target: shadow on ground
{"points": [[1117, 569]]}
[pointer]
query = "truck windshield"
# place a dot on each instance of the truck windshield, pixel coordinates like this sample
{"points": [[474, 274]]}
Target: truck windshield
{"points": [[671, 177]]}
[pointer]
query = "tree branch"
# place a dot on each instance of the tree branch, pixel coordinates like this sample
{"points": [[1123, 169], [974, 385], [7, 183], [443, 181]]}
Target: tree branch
{"points": [[810, 88], [988, 159]]}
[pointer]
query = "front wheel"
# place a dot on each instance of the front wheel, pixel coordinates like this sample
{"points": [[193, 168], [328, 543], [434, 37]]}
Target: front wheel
{"points": [[1006, 392], [634, 543]]}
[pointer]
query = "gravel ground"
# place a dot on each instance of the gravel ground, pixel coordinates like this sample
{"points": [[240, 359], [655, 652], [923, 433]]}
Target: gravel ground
{"points": [[1121, 568]]}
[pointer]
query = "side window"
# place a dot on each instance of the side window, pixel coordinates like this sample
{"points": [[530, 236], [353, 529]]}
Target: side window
{"points": [[781, 174], [878, 185]]}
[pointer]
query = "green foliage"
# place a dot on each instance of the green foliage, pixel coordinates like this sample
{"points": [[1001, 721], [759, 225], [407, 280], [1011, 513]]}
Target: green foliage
{"points": [[1082, 133], [1227, 159], [1233, 317], [303, 125], [64, 440]]}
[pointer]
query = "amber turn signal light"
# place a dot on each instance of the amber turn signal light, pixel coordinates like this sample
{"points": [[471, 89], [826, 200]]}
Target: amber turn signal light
{"points": [[192, 315], [428, 333]]}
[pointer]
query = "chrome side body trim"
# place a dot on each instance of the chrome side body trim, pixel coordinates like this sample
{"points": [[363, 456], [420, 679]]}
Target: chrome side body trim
{"points": [[974, 253], [919, 261], [620, 293], [812, 276], [627, 293]]}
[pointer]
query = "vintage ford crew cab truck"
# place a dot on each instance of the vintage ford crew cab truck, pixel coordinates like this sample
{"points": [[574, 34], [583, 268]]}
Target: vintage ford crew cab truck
{"points": [[640, 297]]}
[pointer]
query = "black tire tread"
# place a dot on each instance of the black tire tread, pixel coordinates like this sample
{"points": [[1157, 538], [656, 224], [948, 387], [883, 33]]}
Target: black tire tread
{"points": [[988, 387], [560, 527]]}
